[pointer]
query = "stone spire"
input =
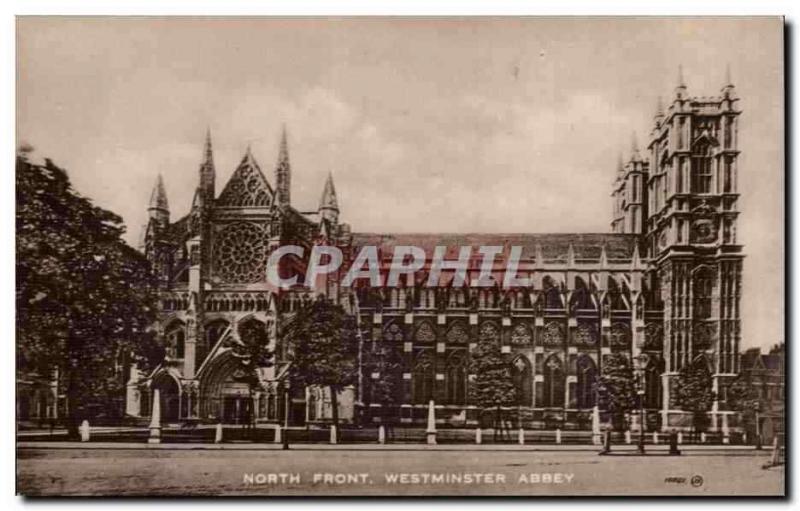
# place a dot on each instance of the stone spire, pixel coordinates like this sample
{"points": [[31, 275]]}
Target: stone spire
{"points": [[635, 155], [283, 173], [680, 87], [207, 171], [158, 199], [727, 88], [620, 166], [659, 116], [158, 207], [328, 204]]}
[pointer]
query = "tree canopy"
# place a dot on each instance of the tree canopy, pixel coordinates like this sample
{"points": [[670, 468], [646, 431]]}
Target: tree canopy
{"points": [[324, 349], [617, 388], [493, 385], [694, 391], [85, 299]]}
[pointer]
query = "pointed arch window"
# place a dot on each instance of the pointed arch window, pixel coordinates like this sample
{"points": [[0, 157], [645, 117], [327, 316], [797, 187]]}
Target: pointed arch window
{"points": [[456, 381], [587, 376], [554, 381], [652, 382], [701, 167], [552, 294], [422, 379], [523, 380]]}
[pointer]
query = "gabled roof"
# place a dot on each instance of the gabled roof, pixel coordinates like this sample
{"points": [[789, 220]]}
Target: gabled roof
{"points": [[247, 187]]}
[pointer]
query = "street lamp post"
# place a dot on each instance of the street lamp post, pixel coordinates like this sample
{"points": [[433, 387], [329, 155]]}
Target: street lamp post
{"points": [[640, 393], [641, 362]]}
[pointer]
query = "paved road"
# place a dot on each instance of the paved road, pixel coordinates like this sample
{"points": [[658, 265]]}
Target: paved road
{"points": [[306, 470]]}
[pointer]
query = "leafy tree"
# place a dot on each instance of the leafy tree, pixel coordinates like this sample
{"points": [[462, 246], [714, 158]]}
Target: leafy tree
{"points": [[325, 349], [493, 386], [694, 392], [743, 397], [85, 299], [252, 348], [616, 388]]}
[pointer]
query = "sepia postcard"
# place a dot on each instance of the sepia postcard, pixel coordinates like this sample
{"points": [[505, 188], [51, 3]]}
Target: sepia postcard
{"points": [[406, 256]]}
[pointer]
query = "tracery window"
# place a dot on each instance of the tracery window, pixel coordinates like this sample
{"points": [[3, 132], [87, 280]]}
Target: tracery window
{"points": [[701, 168], [422, 379], [457, 334], [393, 332], [587, 376], [489, 333], [554, 380], [521, 334], [585, 334], [246, 188], [620, 336], [240, 253], [425, 333], [456, 381], [553, 334], [522, 374]]}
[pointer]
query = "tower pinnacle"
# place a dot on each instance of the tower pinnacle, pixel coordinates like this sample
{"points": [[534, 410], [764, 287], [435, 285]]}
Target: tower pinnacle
{"points": [[158, 207], [328, 204], [283, 172], [207, 171], [680, 88], [158, 198], [659, 109], [635, 156]]}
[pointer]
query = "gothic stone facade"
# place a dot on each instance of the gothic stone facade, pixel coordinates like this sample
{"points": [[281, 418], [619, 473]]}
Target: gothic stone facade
{"points": [[663, 288]]}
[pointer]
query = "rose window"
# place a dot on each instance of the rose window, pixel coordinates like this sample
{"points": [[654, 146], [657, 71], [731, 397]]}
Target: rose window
{"points": [[240, 253]]}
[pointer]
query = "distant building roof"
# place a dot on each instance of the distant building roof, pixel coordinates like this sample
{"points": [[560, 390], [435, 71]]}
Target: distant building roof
{"points": [[553, 245]]}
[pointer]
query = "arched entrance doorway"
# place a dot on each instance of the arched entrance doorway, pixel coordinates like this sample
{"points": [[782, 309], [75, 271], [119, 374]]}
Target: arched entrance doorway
{"points": [[170, 397], [226, 392]]}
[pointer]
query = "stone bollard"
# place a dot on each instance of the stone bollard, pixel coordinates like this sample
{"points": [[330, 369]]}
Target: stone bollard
{"points": [[702, 437], [478, 438], [673, 444], [155, 419], [558, 436], [628, 436], [430, 432], [277, 434], [655, 437], [381, 434], [521, 436], [680, 437], [218, 434], [759, 442], [334, 439], [744, 438], [84, 431]]}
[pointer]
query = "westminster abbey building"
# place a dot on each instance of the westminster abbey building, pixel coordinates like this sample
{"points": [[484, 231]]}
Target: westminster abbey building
{"points": [[662, 287]]}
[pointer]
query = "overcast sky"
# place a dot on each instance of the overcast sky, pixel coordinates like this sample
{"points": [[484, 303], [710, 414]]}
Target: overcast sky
{"points": [[497, 125]]}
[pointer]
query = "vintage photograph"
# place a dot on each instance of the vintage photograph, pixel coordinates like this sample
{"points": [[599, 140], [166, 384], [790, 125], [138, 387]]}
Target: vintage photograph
{"points": [[400, 256]]}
